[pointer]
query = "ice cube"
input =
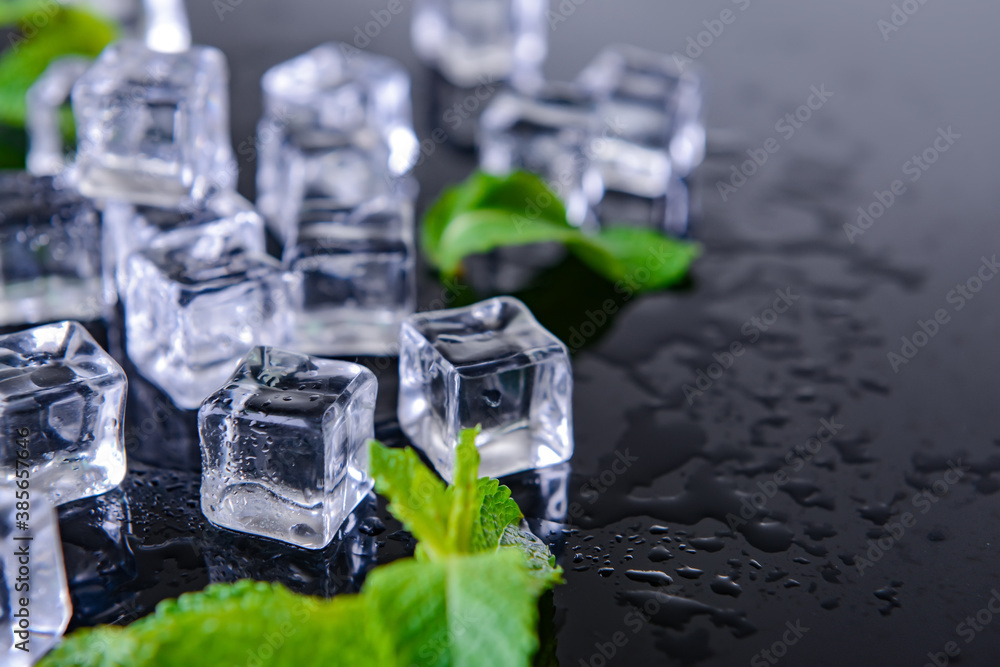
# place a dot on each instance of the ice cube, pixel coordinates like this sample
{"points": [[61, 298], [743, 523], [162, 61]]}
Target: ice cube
{"points": [[667, 213], [332, 97], [98, 558], [351, 276], [652, 105], [491, 364], [152, 127], [339, 173], [547, 132], [34, 601], [50, 252], [284, 446], [470, 41], [225, 221], [62, 400], [46, 100], [339, 568], [190, 318]]}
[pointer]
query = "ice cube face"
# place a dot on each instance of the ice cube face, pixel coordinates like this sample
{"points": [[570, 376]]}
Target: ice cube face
{"points": [[209, 228], [189, 319], [50, 252], [491, 364], [351, 276], [45, 606], [668, 213], [152, 127], [547, 132], [652, 106], [340, 173], [62, 400], [284, 446], [472, 41], [328, 98]]}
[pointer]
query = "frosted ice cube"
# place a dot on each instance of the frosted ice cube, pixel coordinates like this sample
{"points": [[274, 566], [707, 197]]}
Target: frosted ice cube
{"points": [[50, 252], [152, 127], [62, 399], [653, 106], [34, 605], [284, 446], [351, 276], [190, 318], [473, 40], [547, 132], [492, 364]]}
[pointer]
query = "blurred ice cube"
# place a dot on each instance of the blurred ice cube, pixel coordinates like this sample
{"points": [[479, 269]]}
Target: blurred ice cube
{"points": [[152, 127], [472, 41]]}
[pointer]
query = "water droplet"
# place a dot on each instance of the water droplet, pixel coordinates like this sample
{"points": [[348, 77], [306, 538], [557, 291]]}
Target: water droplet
{"points": [[689, 572], [492, 398], [654, 577], [726, 586]]}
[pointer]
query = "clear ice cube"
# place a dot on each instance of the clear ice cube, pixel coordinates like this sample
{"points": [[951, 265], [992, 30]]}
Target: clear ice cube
{"points": [[667, 213], [225, 221], [32, 618], [97, 555], [341, 567], [62, 400], [50, 252], [547, 132], [190, 318], [152, 127], [351, 276], [284, 446], [47, 100], [491, 364], [653, 106], [339, 173], [470, 41], [328, 98]]}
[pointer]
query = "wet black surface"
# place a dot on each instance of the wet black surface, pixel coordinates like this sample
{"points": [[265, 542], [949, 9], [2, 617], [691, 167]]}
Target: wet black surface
{"points": [[801, 502]]}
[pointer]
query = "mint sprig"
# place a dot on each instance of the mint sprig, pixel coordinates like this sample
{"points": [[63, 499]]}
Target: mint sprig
{"points": [[470, 598], [486, 212]]}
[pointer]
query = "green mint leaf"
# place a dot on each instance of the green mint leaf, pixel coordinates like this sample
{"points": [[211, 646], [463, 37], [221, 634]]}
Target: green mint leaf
{"points": [[15, 11], [468, 516], [480, 231], [488, 212], [471, 602], [643, 259], [521, 192], [416, 496], [468, 611], [541, 562], [67, 31], [464, 611], [498, 511], [465, 494], [525, 193]]}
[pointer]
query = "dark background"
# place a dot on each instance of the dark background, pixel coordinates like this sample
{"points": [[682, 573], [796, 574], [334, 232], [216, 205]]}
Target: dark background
{"points": [[797, 560]]}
